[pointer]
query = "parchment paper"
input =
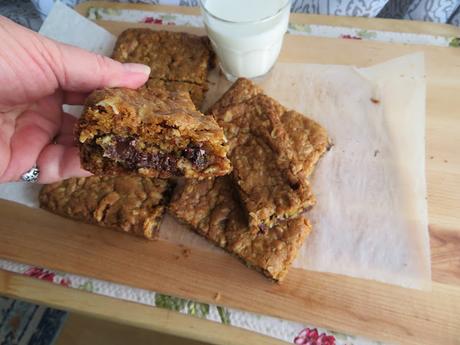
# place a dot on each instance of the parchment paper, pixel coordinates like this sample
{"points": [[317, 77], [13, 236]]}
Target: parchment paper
{"points": [[370, 220]]}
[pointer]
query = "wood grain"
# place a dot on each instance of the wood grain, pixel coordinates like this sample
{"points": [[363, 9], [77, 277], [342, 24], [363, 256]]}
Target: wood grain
{"points": [[128, 313], [84, 330], [345, 304], [445, 256]]}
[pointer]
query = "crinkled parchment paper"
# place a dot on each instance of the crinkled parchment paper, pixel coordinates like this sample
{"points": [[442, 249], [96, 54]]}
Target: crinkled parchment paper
{"points": [[370, 220]]}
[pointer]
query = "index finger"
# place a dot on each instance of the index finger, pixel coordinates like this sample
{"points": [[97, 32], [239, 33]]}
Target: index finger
{"points": [[82, 71]]}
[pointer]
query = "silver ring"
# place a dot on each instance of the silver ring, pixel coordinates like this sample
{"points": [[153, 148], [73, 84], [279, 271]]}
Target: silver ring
{"points": [[31, 175]]}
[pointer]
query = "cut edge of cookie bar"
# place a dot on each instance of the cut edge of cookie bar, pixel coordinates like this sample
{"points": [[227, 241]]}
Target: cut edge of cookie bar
{"points": [[211, 209], [151, 132], [129, 204]]}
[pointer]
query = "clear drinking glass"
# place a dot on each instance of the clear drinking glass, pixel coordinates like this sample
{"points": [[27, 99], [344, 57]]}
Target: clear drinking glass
{"points": [[247, 35]]}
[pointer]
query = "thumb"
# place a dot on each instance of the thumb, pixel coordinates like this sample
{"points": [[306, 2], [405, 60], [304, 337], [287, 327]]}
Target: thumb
{"points": [[81, 71]]}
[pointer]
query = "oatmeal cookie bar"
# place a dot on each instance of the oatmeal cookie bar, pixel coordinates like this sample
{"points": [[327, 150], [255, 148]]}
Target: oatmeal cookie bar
{"points": [[211, 208], [197, 92], [309, 139], [151, 132], [126, 203], [272, 151], [174, 57], [264, 162], [241, 90]]}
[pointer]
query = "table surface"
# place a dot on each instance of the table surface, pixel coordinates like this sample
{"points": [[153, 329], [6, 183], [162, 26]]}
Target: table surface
{"points": [[446, 273]]}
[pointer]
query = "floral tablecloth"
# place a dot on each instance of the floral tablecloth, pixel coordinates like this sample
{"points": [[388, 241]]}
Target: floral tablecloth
{"points": [[30, 13], [293, 332]]}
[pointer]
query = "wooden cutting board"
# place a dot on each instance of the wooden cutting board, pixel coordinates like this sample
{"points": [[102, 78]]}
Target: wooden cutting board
{"points": [[345, 304]]}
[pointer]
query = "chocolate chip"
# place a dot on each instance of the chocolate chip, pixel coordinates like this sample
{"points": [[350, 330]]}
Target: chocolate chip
{"points": [[158, 161], [263, 228], [143, 159], [124, 150], [196, 155], [306, 209], [168, 163], [295, 185], [99, 108]]}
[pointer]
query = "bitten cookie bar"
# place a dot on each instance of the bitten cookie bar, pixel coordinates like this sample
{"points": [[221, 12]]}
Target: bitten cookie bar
{"points": [[272, 151], [175, 58], [151, 132], [211, 209], [127, 203]]}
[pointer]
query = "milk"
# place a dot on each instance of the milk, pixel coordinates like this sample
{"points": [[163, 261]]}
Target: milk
{"points": [[247, 35]]}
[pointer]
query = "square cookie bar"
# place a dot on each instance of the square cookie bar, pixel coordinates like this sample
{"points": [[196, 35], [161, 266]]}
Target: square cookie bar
{"points": [[273, 150], [211, 208], [308, 137], [174, 57], [131, 204]]}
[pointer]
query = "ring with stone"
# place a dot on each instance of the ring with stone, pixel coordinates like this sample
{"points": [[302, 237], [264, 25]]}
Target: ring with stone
{"points": [[31, 175]]}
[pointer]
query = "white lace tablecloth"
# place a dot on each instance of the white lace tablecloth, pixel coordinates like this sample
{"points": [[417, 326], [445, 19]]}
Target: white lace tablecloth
{"points": [[282, 329]]}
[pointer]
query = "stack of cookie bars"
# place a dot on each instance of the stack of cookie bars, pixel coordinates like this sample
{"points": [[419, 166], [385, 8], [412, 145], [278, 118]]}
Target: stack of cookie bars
{"points": [[137, 142]]}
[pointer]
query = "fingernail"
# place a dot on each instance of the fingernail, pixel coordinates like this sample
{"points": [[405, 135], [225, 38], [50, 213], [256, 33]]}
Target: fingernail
{"points": [[136, 68]]}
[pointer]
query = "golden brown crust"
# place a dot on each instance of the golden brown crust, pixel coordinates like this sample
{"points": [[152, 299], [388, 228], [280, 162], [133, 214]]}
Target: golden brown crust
{"points": [[272, 151], [151, 132], [197, 92], [178, 60], [241, 90], [131, 204], [211, 209], [309, 139], [264, 162], [173, 56], [273, 252]]}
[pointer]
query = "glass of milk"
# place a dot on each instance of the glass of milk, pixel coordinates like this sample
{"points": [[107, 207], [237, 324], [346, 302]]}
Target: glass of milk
{"points": [[247, 35]]}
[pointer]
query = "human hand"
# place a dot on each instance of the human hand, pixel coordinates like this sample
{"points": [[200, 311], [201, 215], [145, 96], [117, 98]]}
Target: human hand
{"points": [[38, 76]]}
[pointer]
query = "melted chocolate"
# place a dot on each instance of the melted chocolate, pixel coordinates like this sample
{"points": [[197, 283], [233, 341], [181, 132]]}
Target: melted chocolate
{"points": [[124, 150], [196, 155]]}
